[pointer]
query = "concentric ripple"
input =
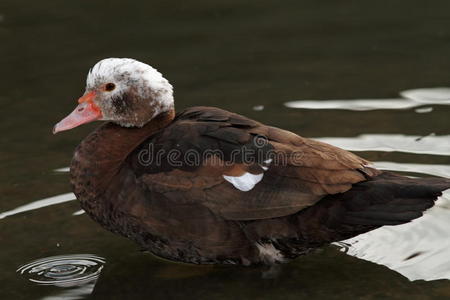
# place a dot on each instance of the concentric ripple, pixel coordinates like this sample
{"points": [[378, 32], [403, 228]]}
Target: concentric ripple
{"points": [[65, 270]]}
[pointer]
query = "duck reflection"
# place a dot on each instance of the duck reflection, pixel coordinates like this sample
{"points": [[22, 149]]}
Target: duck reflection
{"points": [[142, 276]]}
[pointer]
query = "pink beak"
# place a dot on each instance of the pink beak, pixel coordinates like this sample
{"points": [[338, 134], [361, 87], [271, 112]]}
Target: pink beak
{"points": [[87, 111]]}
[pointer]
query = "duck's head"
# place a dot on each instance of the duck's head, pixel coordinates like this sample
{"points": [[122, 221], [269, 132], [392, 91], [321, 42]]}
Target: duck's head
{"points": [[121, 90]]}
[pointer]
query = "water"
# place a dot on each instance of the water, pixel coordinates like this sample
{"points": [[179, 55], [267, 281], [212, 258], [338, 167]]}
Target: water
{"points": [[249, 58], [64, 270]]}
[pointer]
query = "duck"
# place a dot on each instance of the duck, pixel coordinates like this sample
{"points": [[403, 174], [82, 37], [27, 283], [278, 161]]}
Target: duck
{"points": [[208, 186]]}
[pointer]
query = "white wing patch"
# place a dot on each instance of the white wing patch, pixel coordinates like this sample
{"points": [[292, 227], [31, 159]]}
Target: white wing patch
{"points": [[247, 181], [244, 182]]}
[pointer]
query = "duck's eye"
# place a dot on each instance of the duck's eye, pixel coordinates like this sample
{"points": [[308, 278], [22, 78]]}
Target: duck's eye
{"points": [[109, 87]]}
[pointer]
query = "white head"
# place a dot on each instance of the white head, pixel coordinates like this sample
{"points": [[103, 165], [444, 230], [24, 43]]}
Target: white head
{"points": [[124, 91], [125, 79]]}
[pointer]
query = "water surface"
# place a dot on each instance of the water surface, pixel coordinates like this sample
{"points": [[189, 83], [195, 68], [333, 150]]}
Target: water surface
{"points": [[250, 58]]}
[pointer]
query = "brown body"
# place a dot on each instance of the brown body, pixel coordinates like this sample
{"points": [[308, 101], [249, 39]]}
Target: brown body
{"points": [[315, 194]]}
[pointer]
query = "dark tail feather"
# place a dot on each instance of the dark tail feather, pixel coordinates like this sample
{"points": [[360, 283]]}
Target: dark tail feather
{"points": [[391, 199], [387, 199]]}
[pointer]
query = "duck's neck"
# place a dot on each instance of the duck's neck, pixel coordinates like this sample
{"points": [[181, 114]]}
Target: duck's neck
{"points": [[101, 155]]}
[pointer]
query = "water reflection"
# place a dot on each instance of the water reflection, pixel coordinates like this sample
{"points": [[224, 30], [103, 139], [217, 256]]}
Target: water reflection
{"points": [[79, 292], [423, 110], [39, 204], [439, 95], [419, 250], [78, 212], [357, 105], [411, 98], [430, 144], [430, 169]]}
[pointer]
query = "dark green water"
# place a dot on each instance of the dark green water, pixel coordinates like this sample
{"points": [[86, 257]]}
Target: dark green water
{"points": [[231, 54]]}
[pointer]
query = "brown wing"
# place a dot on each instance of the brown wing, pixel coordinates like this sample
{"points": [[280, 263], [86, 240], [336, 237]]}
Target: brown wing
{"points": [[242, 169]]}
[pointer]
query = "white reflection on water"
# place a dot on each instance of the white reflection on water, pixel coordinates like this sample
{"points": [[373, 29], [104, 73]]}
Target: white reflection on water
{"points": [[78, 212], [411, 98], [358, 105], [39, 204], [79, 292], [430, 169], [419, 250], [424, 110], [438, 95], [431, 144]]}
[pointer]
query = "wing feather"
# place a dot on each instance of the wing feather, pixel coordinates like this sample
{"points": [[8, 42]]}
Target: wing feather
{"points": [[287, 172]]}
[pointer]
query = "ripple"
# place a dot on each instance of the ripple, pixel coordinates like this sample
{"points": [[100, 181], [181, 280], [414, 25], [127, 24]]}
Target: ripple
{"points": [[64, 271]]}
